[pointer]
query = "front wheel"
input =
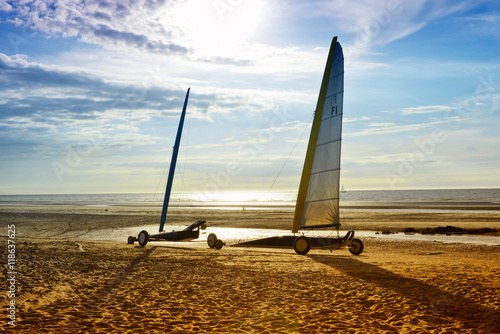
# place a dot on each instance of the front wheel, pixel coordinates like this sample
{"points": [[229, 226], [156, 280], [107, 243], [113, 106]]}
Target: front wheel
{"points": [[211, 240], [302, 245], [356, 247], [143, 238], [130, 240]]}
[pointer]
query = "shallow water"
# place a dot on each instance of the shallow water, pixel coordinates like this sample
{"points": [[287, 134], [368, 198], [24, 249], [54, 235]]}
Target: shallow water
{"points": [[233, 236]]}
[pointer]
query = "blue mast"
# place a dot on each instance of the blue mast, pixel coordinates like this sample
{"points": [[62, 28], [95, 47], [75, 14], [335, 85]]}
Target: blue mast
{"points": [[172, 164]]}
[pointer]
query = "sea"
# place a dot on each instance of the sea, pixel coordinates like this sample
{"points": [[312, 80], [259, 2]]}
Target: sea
{"points": [[262, 200]]}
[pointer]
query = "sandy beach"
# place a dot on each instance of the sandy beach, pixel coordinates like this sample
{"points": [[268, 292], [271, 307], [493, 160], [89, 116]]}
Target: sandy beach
{"points": [[66, 283]]}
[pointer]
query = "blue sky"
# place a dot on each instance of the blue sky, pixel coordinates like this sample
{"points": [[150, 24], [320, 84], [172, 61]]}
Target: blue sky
{"points": [[92, 92]]}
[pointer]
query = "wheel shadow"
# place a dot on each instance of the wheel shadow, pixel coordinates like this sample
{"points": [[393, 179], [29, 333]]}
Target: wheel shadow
{"points": [[435, 302]]}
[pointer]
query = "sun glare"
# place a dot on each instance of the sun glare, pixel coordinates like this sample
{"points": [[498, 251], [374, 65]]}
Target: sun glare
{"points": [[216, 27]]}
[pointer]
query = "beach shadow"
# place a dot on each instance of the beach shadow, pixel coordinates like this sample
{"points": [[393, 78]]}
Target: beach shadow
{"points": [[434, 302], [91, 308], [174, 247], [378, 276]]}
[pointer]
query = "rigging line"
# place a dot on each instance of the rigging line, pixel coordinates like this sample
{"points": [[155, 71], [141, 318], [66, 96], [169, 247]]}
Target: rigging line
{"points": [[293, 149], [185, 154], [160, 181]]}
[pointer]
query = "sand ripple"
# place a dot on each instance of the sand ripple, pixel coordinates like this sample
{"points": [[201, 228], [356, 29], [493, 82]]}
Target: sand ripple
{"points": [[394, 287]]}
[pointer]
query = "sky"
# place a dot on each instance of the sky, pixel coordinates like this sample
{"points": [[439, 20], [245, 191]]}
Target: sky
{"points": [[92, 93]]}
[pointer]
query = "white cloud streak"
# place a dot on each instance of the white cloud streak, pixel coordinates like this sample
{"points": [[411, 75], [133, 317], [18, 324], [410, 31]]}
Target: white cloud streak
{"points": [[426, 109], [389, 128]]}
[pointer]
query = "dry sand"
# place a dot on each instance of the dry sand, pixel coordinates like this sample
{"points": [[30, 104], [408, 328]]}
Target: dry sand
{"points": [[75, 286]]}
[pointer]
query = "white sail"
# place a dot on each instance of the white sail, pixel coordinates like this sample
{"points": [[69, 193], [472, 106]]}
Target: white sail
{"points": [[318, 197]]}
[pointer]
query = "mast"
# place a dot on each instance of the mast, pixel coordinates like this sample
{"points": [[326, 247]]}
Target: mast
{"points": [[172, 164], [317, 199]]}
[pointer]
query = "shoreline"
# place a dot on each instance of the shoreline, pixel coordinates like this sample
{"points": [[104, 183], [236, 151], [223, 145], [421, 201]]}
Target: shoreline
{"points": [[452, 205]]}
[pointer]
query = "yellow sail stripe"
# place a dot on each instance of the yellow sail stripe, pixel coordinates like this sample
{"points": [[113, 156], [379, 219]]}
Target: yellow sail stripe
{"points": [[311, 148]]}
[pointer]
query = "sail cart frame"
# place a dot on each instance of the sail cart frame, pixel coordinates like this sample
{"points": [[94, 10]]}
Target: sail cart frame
{"points": [[317, 204], [190, 232]]}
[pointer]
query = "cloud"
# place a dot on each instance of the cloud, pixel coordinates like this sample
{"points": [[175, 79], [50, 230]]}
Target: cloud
{"points": [[484, 24], [133, 24], [388, 128], [51, 107], [374, 23], [46, 106], [5, 7], [30, 87], [138, 41], [487, 18], [358, 119], [226, 61], [426, 109]]}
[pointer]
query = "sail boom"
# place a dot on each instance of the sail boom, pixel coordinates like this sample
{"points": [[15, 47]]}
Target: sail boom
{"points": [[320, 226]]}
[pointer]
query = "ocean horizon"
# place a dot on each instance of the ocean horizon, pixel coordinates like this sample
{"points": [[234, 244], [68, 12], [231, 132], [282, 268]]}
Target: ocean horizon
{"points": [[253, 198]]}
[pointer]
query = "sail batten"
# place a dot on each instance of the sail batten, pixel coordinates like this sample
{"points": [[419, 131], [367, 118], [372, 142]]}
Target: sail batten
{"points": [[329, 142], [330, 170], [332, 116], [318, 198], [322, 200]]}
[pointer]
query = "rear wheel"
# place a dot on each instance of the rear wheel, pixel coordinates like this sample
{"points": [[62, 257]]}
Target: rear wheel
{"points": [[302, 245], [356, 247], [143, 238], [219, 244], [211, 240], [130, 240]]}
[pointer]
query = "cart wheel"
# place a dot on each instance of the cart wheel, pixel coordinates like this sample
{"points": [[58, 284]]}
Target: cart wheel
{"points": [[356, 247], [211, 240], [143, 238], [219, 244], [302, 245], [130, 240]]}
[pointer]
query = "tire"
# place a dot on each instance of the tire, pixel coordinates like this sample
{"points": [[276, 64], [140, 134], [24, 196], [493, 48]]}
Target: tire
{"points": [[211, 240], [143, 238], [302, 245], [356, 247], [130, 240], [218, 244]]}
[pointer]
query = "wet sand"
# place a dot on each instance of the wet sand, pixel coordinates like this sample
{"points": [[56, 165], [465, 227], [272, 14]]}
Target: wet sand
{"points": [[54, 220], [69, 285]]}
